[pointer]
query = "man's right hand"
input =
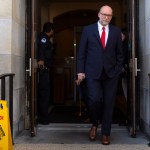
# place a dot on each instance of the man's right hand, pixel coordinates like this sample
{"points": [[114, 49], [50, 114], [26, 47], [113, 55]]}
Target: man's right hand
{"points": [[80, 78]]}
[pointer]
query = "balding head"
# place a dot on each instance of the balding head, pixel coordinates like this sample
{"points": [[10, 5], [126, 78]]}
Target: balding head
{"points": [[105, 15], [106, 9]]}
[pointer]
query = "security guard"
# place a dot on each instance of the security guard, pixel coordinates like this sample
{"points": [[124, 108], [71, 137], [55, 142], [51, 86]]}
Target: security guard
{"points": [[44, 60]]}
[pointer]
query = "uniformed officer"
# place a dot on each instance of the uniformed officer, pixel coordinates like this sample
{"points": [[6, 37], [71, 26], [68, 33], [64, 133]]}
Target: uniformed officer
{"points": [[44, 59]]}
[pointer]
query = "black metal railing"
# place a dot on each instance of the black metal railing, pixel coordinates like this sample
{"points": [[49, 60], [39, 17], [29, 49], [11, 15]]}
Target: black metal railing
{"points": [[3, 94]]}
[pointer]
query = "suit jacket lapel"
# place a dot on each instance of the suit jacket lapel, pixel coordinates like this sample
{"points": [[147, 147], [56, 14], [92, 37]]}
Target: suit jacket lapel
{"points": [[109, 35], [96, 32]]}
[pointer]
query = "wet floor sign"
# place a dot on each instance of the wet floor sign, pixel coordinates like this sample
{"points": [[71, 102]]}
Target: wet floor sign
{"points": [[5, 132]]}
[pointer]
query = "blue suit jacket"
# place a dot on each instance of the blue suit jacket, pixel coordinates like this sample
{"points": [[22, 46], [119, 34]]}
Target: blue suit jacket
{"points": [[92, 57]]}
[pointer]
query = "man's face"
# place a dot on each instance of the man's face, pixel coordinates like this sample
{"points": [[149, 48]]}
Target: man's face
{"points": [[105, 15], [51, 33]]}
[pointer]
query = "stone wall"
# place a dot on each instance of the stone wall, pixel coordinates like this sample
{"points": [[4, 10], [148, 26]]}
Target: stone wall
{"points": [[12, 53]]}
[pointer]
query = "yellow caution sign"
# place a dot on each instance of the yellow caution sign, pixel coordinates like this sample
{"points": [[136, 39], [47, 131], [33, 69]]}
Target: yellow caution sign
{"points": [[5, 132]]}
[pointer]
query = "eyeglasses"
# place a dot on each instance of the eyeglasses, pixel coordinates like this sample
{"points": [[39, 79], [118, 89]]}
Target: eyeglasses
{"points": [[106, 15]]}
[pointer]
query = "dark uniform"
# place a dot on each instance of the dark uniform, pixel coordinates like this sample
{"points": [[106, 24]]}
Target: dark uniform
{"points": [[45, 53]]}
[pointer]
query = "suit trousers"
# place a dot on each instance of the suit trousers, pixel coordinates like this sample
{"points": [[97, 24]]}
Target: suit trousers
{"points": [[101, 98], [43, 96]]}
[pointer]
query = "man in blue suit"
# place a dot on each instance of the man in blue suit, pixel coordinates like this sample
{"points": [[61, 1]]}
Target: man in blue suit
{"points": [[99, 60]]}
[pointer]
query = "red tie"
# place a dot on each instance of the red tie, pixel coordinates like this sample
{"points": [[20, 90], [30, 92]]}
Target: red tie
{"points": [[103, 37]]}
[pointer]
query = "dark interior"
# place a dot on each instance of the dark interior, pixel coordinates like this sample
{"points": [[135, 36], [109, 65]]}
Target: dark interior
{"points": [[66, 104]]}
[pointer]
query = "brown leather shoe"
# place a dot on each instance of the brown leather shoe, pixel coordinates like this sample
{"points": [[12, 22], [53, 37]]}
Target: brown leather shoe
{"points": [[93, 133], [105, 140]]}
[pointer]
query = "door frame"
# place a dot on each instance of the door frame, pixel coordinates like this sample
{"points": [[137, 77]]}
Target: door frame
{"points": [[133, 88], [30, 74]]}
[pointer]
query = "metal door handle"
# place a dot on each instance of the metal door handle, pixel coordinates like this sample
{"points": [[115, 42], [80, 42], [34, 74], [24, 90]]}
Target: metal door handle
{"points": [[136, 69], [29, 70]]}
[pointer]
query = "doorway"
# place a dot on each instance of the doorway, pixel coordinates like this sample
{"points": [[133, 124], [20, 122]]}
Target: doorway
{"points": [[65, 97]]}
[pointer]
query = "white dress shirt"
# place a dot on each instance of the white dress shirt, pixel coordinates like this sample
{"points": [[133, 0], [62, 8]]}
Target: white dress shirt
{"points": [[106, 31]]}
